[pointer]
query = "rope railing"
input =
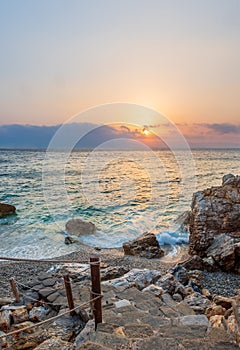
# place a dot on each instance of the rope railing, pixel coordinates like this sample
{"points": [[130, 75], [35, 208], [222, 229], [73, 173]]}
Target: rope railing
{"points": [[95, 291], [44, 260], [49, 319]]}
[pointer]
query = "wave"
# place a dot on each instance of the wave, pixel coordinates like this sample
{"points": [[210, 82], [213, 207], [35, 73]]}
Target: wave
{"points": [[171, 238]]}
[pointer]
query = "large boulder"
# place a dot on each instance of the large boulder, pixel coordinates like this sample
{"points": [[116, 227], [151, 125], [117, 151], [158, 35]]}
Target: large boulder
{"points": [[214, 211], [145, 246], [6, 209], [79, 227]]}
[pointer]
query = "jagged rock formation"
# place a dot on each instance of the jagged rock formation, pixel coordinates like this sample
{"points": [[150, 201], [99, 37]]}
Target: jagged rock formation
{"points": [[145, 246], [214, 223]]}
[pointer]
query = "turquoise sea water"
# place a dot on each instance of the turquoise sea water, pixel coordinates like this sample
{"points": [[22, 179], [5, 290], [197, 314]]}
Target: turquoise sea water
{"points": [[124, 193]]}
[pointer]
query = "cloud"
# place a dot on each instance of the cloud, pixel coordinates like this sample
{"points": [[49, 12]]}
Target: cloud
{"points": [[224, 128], [30, 136], [197, 134]]}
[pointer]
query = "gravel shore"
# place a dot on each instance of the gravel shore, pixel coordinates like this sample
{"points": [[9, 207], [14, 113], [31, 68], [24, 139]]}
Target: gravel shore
{"points": [[221, 283], [26, 272]]}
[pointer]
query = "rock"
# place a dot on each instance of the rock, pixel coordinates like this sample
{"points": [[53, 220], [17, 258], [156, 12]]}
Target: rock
{"points": [[181, 274], [194, 320], [70, 240], [206, 293], [79, 227], [193, 263], [156, 290], [20, 315], [222, 250], [84, 335], [54, 343], [228, 179], [112, 272], [223, 301], [215, 310], [134, 278], [89, 345], [6, 209], [5, 320], [5, 301], [214, 211], [209, 264], [122, 303], [177, 297], [198, 302], [38, 313], [216, 321], [145, 246], [168, 283], [183, 220]]}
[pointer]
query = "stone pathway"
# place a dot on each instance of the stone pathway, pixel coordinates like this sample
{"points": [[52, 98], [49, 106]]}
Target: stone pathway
{"points": [[141, 321], [132, 319]]}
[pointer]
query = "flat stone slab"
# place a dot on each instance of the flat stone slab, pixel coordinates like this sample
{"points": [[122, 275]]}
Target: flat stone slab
{"points": [[89, 345], [45, 292], [138, 330], [49, 282], [195, 320]]}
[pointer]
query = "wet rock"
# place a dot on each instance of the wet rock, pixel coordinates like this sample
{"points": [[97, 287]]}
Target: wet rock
{"points": [[79, 227], [70, 240], [6, 209], [145, 246]]}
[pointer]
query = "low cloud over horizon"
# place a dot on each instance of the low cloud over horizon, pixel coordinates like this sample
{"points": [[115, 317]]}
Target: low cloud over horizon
{"points": [[198, 135]]}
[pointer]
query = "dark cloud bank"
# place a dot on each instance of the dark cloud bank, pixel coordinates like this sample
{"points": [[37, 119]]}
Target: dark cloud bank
{"points": [[30, 136]]}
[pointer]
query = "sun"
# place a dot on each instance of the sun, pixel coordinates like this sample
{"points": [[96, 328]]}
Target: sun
{"points": [[145, 131]]}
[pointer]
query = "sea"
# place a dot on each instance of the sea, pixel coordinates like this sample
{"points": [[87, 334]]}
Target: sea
{"points": [[123, 192]]}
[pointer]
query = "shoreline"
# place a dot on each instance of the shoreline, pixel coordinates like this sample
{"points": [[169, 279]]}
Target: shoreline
{"points": [[26, 271]]}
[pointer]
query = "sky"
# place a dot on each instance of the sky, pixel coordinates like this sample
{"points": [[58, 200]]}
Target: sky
{"points": [[181, 58]]}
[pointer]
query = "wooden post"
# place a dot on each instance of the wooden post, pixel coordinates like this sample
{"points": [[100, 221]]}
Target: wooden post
{"points": [[96, 288], [15, 290], [69, 293]]}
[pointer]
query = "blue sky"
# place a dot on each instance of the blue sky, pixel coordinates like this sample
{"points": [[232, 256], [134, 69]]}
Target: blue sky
{"points": [[59, 57]]}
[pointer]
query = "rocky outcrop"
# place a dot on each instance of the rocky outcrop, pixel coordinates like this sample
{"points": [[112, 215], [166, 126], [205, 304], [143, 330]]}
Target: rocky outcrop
{"points": [[214, 223], [6, 209], [79, 227], [145, 246]]}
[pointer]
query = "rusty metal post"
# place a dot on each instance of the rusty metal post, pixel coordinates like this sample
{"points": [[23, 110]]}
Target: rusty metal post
{"points": [[15, 290], [96, 288], [69, 293]]}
